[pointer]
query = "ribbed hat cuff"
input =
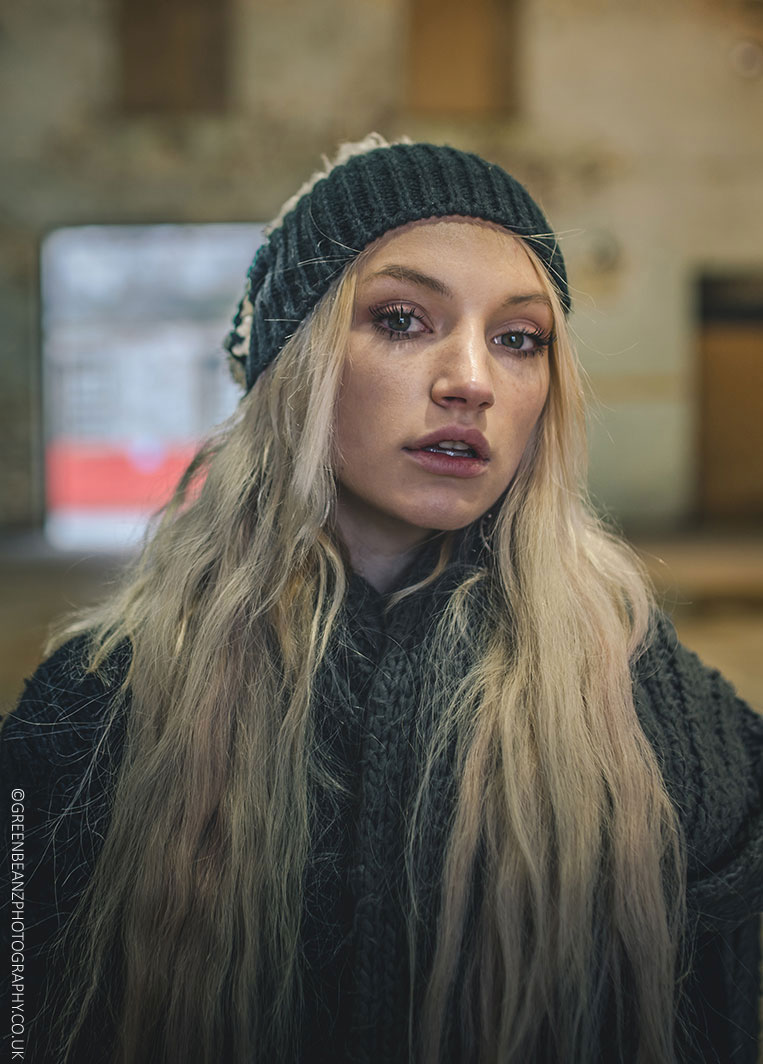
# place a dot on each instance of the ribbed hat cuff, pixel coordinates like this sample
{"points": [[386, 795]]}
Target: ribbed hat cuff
{"points": [[353, 206]]}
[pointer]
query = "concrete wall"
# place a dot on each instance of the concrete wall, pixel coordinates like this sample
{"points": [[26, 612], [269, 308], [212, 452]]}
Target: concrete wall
{"points": [[638, 127], [668, 99]]}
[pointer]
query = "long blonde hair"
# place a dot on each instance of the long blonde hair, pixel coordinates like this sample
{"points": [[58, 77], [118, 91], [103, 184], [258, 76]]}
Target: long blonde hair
{"points": [[560, 811]]}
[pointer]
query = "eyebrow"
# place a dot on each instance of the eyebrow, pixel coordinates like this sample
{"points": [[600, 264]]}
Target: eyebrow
{"points": [[405, 273]]}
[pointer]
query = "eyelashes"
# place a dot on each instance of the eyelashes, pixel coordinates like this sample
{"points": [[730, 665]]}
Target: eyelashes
{"points": [[400, 321], [393, 320], [515, 340]]}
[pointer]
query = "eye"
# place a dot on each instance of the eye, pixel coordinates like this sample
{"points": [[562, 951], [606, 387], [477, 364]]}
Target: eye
{"points": [[397, 321], [525, 342]]}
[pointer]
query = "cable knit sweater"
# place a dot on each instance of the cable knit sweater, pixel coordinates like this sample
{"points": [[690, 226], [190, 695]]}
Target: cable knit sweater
{"points": [[708, 743]]}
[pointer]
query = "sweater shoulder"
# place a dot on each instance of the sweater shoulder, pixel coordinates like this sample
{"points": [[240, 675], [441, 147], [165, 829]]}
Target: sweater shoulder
{"points": [[694, 715], [62, 712], [709, 745]]}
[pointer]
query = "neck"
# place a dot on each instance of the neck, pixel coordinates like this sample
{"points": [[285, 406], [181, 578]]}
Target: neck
{"points": [[379, 552], [381, 571]]}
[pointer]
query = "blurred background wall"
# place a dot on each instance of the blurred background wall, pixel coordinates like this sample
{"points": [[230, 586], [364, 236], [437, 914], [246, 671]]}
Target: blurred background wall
{"points": [[636, 125]]}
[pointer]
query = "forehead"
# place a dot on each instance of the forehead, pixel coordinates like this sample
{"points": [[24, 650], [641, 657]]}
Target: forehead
{"points": [[435, 241]]}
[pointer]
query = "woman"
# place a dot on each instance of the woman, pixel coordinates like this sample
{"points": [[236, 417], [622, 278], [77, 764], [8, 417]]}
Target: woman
{"points": [[382, 753]]}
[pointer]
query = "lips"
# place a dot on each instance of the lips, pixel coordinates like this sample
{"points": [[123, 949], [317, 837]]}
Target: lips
{"points": [[471, 437]]}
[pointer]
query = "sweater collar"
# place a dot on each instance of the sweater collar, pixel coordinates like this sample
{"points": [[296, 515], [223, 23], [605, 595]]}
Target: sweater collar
{"points": [[406, 621]]}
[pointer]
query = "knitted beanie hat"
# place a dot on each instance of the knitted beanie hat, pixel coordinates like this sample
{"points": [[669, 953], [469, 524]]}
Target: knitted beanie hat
{"points": [[353, 205]]}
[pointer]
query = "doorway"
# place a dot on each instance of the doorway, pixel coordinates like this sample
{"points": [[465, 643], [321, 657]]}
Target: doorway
{"points": [[731, 399]]}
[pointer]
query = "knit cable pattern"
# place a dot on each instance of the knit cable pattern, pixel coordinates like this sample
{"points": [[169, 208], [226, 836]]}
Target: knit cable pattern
{"points": [[709, 745]]}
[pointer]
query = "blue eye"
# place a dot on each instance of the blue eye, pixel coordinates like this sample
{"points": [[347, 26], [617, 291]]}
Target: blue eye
{"points": [[397, 322], [524, 341]]}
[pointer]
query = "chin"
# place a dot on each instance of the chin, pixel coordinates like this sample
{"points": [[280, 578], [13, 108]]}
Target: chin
{"points": [[454, 518]]}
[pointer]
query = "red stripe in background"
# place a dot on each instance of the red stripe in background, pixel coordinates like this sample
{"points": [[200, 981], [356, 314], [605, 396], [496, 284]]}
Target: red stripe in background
{"points": [[104, 477]]}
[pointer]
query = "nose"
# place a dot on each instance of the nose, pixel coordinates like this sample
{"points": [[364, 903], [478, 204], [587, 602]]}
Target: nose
{"points": [[462, 375]]}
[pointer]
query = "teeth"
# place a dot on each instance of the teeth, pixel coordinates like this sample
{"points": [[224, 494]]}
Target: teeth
{"points": [[453, 447]]}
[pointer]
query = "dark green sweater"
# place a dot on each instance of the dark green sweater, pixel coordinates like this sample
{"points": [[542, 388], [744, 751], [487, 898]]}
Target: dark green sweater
{"points": [[709, 745]]}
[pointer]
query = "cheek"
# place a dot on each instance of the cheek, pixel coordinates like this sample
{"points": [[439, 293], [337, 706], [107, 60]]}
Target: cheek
{"points": [[541, 394], [370, 406], [352, 401], [527, 400]]}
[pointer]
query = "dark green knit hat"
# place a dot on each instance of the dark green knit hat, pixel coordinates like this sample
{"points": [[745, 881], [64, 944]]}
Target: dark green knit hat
{"points": [[357, 202]]}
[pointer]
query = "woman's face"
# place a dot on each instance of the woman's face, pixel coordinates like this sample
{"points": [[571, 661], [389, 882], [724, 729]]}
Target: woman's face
{"points": [[450, 332]]}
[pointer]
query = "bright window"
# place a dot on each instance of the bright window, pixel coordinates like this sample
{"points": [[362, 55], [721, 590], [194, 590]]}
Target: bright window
{"points": [[134, 373]]}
